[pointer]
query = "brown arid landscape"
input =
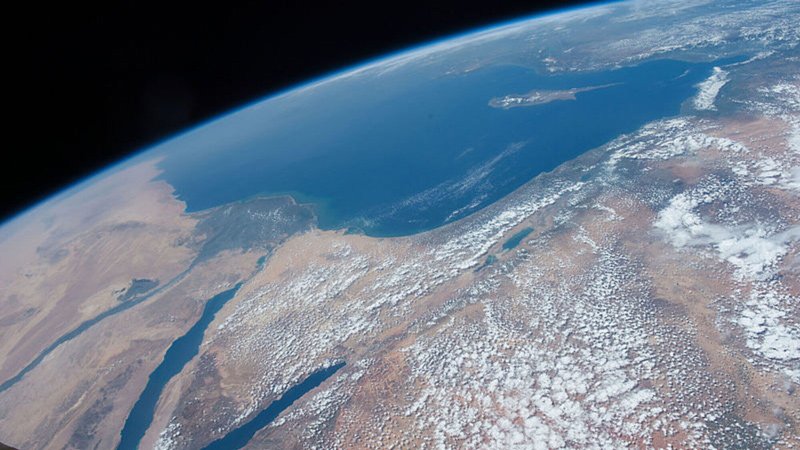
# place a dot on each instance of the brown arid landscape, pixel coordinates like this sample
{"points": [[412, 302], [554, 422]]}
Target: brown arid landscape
{"points": [[630, 325], [642, 295]]}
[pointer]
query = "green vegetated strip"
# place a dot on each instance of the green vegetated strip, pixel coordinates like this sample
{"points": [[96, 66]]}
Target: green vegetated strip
{"points": [[237, 226], [85, 325]]}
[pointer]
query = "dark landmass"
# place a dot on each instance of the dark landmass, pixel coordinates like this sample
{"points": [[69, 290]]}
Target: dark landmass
{"points": [[87, 425], [138, 287], [259, 222], [540, 97]]}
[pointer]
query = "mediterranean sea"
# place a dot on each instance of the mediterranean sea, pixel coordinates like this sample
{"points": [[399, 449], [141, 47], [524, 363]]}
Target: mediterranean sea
{"points": [[396, 155]]}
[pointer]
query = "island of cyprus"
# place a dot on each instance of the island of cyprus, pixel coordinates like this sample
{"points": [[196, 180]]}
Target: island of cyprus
{"points": [[642, 295]]}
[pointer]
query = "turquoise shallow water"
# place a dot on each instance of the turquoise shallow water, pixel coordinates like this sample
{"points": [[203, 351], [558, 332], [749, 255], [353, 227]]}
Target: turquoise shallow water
{"points": [[400, 154]]}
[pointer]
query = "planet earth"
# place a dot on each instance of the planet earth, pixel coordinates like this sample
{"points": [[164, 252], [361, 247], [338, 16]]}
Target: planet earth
{"points": [[577, 230]]}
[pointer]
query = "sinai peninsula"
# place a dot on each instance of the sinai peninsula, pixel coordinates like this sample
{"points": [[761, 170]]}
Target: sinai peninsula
{"points": [[579, 230]]}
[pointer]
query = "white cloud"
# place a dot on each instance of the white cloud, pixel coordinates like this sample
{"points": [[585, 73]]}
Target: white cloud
{"points": [[766, 331], [709, 89], [752, 249]]}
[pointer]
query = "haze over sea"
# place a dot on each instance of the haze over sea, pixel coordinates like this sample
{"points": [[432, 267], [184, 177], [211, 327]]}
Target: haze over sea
{"points": [[397, 155]]}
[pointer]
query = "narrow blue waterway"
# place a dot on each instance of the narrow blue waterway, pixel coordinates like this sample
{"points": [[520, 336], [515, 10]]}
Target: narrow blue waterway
{"points": [[239, 437], [85, 326], [178, 355]]}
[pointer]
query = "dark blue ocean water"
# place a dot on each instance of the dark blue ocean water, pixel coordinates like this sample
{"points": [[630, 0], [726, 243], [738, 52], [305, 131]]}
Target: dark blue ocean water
{"points": [[179, 353], [362, 150]]}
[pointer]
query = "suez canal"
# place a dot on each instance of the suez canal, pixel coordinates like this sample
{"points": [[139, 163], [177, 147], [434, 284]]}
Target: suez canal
{"points": [[181, 352], [186, 347], [248, 232]]}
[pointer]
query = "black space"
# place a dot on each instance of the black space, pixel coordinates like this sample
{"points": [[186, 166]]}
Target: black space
{"points": [[91, 85]]}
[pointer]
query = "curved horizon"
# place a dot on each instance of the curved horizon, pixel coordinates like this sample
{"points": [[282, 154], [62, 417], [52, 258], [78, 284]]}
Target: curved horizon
{"points": [[408, 53]]}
